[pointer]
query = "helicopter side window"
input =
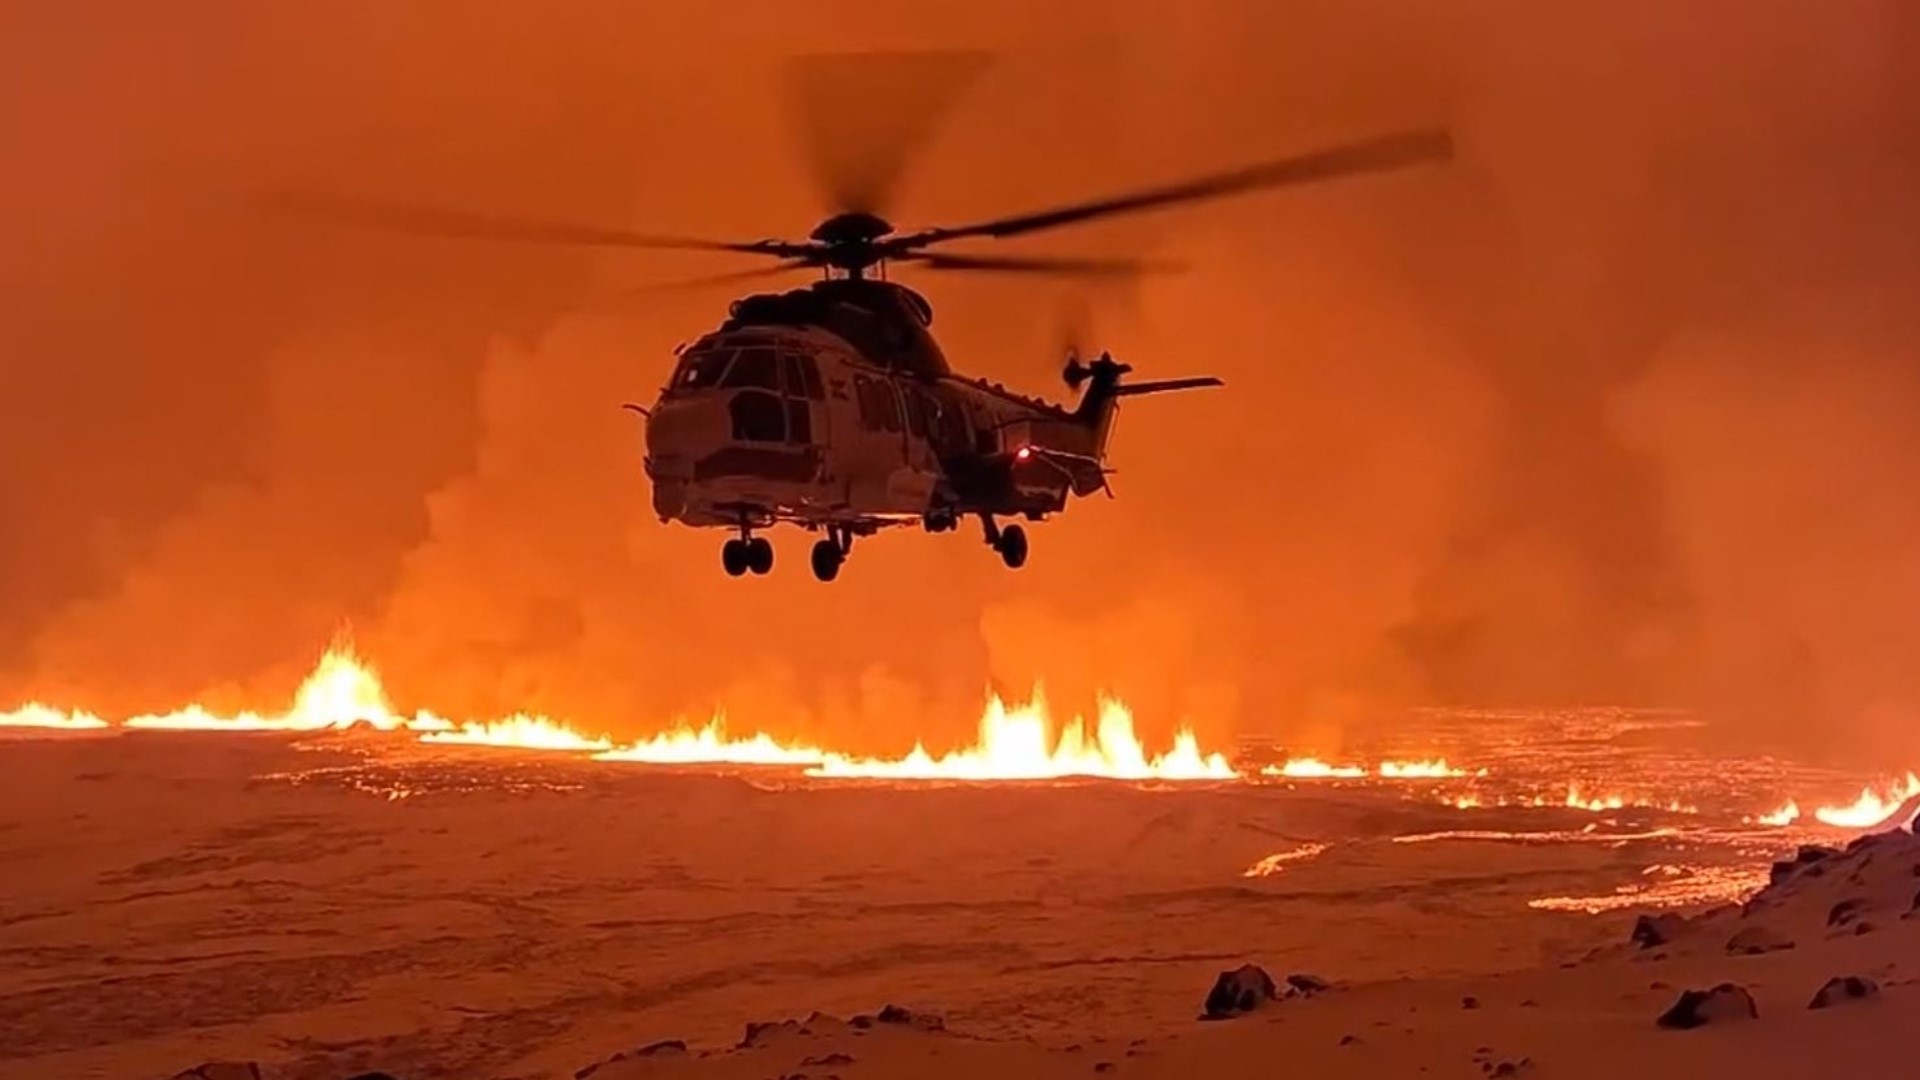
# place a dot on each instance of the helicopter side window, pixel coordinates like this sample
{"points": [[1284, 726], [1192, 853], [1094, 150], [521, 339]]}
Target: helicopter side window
{"points": [[917, 406], [986, 437], [799, 421], [756, 367], [868, 394], [888, 400], [950, 425], [701, 370]]}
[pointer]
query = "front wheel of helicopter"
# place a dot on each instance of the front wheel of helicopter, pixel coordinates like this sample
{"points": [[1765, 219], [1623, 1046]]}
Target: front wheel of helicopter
{"points": [[734, 557], [1012, 546], [827, 557]]}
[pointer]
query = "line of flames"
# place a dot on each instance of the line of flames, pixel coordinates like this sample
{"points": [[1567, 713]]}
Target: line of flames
{"points": [[1014, 742]]}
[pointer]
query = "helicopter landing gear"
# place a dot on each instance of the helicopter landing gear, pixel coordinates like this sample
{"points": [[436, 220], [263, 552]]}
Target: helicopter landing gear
{"points": [[829, 553], [1010, 542], [746, 552]]}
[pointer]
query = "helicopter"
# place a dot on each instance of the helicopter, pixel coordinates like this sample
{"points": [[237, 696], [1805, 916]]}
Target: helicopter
{"points": [[833, 408]]}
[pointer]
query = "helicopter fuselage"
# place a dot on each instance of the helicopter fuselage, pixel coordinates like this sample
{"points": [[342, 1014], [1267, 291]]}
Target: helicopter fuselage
{"points": [[833, 408], [768, 424]]}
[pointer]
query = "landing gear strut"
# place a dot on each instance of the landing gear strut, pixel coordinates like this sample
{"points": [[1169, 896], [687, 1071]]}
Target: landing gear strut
{"points": [[746, 552], [1010, 542], [829, 553]]}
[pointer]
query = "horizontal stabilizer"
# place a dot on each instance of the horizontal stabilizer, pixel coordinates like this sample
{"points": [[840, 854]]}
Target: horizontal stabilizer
{"points": [[1160, 385]]}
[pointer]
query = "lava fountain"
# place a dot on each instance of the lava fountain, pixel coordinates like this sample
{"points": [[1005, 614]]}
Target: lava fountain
{"points": [[1018, 744]]}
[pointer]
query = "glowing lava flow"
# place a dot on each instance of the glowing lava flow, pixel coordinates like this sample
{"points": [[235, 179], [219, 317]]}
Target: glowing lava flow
{"points": [[341, 692], [519, 732], [1016, 744], [711, 744], [1782, 817], [35, 715], [1871, 808], [1315, 769], [1574, 799]]}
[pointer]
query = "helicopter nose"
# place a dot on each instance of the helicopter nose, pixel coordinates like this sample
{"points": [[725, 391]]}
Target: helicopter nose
{"points": [[678, 432]]}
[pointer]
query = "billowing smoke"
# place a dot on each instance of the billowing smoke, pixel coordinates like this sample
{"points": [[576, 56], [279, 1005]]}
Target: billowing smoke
{"points": [[1614, 409]]}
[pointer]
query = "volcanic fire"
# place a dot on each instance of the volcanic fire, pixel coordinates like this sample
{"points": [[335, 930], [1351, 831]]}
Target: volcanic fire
{"points": [[711, 744], [342, 691], [35, 715], [519, 732], [1017, 744], [1871, 808], [1309, 768]]}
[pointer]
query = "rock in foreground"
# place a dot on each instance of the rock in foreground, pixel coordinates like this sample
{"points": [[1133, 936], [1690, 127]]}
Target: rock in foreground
{"points": [[1307, 985], [1239, 991], [1697, 1008], [1653, 931], [1843, 989], [222, 1070], [901, 1017], [1754, 940]]}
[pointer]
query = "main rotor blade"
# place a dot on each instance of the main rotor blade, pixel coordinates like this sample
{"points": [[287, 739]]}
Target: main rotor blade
{"points": [[438, 221], [865, 115], [1065, 266], [692, 283], [1353, 159]]}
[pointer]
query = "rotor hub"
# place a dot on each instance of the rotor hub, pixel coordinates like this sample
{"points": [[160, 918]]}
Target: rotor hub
{"points": [[854, 229]]}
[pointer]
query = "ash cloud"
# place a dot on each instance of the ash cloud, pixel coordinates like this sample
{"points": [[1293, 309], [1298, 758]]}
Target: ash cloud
{"points": [[1613, 409]]}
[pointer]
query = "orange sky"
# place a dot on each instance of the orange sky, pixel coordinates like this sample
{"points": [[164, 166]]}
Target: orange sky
{"points": [[1621, 407]]}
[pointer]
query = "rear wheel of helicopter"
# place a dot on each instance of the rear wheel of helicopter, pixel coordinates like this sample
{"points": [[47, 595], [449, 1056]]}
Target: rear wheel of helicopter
{"points": [[760, 555], [827, 558], [1013, 546], [733, 557]]}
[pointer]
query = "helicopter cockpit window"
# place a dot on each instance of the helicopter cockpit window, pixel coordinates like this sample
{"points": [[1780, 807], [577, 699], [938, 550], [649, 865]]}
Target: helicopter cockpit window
{"points": [[803, 376], [701, 370], [755, 367]]}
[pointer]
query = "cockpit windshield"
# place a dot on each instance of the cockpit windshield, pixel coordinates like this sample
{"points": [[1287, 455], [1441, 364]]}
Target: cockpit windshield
{"points": [[701, 370], [755, 366]]}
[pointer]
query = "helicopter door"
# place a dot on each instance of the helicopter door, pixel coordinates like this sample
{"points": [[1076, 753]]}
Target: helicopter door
{"points": [[891, 482], [922, 427], [807, 419]]}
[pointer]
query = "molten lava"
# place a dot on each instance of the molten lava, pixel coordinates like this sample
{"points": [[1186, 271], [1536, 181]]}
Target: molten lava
{"points": [[342, 691], [1315, 769], [520, 732], [1276, 862], [1871, 808], [1013, 743], [711, 744], [1018, 744], [35, 715]]}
